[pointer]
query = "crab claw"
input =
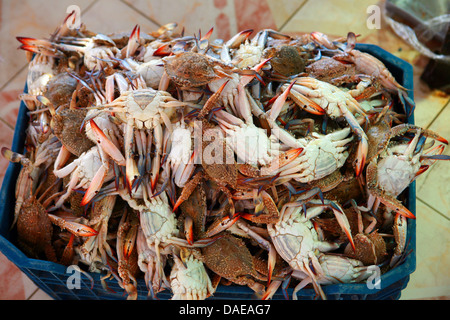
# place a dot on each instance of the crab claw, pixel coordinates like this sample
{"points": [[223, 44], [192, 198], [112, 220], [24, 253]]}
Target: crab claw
{"points": [[211, 102], [163, 51], [107, 145], [75, 228], [279, 102], [307, 104], [189, 229], [343, 222], [95, 185], [284, 159], [133, 41], [221, 225], [271, 263], [361, 153], [271, 290], [322, 39]]}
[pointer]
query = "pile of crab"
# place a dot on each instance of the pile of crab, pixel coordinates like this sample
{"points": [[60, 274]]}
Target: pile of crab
{"points": [[267, 161]]}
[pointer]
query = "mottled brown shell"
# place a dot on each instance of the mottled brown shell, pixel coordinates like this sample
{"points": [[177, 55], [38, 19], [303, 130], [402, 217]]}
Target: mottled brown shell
{"points": [[229, 258], [369, 248], [60, 89], [34, 230], [195, 207], [327, 69], [190, 69], [286, 60], [66, 126]]}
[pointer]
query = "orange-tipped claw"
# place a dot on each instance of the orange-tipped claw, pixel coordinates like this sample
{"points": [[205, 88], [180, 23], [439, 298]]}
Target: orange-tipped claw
{"points": [[177, 204], [271, 263], [222, 224], [189, 229], [307, 104], [95, 185], [279, 102], [163, 50], [109, 147], [271, 289], [396, 205], [361, 157], [75, 228], [208, 34]]}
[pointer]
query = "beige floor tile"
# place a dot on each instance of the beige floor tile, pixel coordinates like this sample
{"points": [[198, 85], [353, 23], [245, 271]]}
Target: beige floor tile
{"points": [[37, 18], [109, 16], [283, 10], [432, 275], [336, 17], [433, 186], [192, 15], [9, 98]]}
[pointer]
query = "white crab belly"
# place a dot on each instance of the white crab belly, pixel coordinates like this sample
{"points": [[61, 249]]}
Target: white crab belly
{"points": [[394, 174], [158, 223], [247, 56], [251, 145], [293, 241], [191, 283], [320, 159]]}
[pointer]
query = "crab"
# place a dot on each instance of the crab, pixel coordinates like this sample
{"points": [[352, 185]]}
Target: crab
{"points": [[230, 258], [143, 111], [322, 97], [89, 171], [97, 51], [127, 253], [181, 153], [394, 169], [218, 164], [34, 223], [66, 126], [365, 63], [250, 53], [296, 240], [188, 278], [33, 166], [95, 251], [192, 69], [151, 265]]}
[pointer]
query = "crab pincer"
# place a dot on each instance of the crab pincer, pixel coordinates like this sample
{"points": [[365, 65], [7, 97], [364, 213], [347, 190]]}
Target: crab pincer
{"points": [[107, 145], [75, 228]]}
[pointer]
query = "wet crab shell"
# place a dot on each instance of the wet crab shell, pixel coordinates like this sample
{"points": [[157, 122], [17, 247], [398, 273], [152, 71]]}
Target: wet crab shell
{"points": [[190, 69]]}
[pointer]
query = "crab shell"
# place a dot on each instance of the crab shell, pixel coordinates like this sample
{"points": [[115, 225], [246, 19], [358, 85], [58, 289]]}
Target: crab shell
{"points": [[144, 107], [189, 280], [395, 173], [158, 222]]}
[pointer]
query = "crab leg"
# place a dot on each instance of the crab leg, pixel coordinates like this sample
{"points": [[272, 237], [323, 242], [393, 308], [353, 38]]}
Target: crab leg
{"points": [[107, 145], [264, 244], [156, 165], [97, 180], [340, 216], [75, 228], [211, 103]]}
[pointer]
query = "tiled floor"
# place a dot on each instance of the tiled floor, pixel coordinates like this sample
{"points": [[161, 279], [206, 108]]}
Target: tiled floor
{"points": [[36, 18]]}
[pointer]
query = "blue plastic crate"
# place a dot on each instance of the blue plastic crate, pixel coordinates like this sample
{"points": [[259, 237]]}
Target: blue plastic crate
{"points": [[52, 278]]}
